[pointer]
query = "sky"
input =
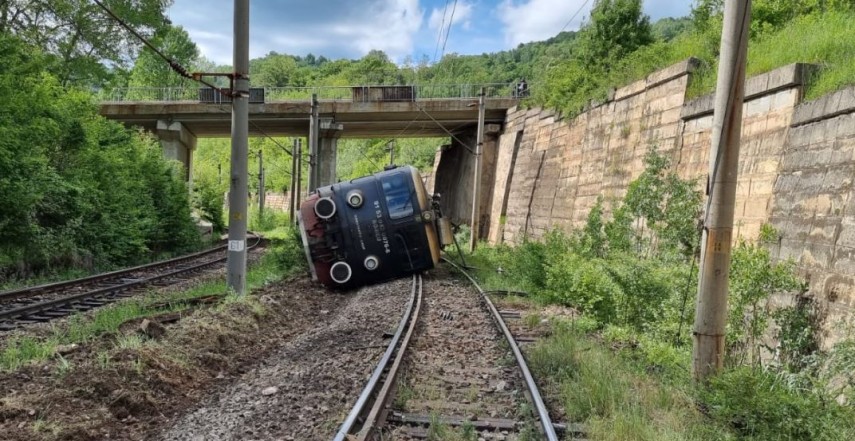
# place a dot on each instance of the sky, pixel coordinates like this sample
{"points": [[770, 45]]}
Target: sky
{"points": [[401, 28]]}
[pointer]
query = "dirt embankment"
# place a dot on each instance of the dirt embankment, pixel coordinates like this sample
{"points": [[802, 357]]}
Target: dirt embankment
{"points": [[121, 387]]}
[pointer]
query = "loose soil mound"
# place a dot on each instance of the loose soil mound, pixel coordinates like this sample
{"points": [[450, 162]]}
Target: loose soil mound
{"points": [[118, 387]]}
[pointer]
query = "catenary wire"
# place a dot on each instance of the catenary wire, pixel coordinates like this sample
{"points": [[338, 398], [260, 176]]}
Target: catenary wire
{"points": [[574, 16], [439, 35], [178, 68], [448, 31]]}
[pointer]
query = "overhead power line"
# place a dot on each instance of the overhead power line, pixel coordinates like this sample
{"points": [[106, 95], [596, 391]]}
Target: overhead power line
{"points": [[574, 16], [178, 68], [450, 22], [439, 34]]}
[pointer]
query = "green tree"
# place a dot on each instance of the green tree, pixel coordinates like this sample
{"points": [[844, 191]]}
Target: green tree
{"points": [[278, 71], [79, 36], [152, 71], [617, 28]]}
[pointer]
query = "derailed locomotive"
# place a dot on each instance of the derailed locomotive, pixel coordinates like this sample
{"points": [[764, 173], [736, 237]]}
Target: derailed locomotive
{"points": [[372, 229]]}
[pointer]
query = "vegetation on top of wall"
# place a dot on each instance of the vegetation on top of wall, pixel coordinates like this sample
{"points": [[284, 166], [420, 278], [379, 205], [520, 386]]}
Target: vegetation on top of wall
{"points": [[783, 32]]}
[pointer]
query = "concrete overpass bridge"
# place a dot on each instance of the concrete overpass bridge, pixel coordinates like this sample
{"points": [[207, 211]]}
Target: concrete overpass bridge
{"points": [[178, 116]]}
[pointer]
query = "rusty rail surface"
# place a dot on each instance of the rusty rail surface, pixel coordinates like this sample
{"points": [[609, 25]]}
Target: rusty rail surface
{"points": [[364, 415]]}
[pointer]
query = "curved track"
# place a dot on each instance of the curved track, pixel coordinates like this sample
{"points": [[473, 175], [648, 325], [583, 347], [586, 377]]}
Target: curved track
{"points": [[457, 358], [46, 302]]}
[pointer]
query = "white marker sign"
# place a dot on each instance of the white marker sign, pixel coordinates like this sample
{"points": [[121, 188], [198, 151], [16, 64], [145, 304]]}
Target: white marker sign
{"points": [[236, 245]]}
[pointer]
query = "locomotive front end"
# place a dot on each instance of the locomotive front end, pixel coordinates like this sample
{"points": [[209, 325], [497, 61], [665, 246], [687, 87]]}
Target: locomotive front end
{"points": [[370, 229]]}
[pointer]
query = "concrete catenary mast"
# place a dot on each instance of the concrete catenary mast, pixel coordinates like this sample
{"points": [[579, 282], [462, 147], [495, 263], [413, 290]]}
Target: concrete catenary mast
{"points": [[236, 277], [711, 310]]}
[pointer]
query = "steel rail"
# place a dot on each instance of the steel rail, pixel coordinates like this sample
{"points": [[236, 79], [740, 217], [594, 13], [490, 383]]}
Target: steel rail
{"points": [[407, 321], [48, 287], [542, 412], [28, 310]]}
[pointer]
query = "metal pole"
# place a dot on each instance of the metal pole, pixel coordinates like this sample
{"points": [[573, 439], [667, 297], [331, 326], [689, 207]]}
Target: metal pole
{"points": [[314, 172], [236, 277], [261, 189], [391, 146], [293, 186], [476, 190], [711, 308], [297, 196]]}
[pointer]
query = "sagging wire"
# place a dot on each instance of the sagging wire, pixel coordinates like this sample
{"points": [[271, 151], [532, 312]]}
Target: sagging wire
{"points": [[466, 146], [574, 16], [178, 68]]}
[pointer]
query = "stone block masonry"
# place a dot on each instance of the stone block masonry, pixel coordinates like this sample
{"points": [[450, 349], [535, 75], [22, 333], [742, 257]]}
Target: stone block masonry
{"points": [[796, 170]]}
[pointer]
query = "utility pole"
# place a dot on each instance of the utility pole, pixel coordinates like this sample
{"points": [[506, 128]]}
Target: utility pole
{"points": [[314, 171], [476, 190], [236, 277], [293, 186], [261, 189], [711, 308], [298, 198], [391, 147]]}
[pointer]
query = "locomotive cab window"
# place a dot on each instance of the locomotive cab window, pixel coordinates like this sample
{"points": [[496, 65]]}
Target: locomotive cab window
{"points": [[399, 197]]}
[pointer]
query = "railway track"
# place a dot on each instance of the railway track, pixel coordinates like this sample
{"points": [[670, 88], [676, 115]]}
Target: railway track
{"points": [[43, 303], [452, 365]]}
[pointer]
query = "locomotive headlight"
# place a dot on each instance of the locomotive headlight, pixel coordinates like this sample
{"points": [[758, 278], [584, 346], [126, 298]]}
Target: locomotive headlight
{"points": [[325, 208], [354, 199], [340, 272], [371, 263]]}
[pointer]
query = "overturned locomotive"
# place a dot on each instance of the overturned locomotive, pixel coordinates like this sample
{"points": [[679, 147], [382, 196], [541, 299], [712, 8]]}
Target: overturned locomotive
{"points": [[372, 229]]}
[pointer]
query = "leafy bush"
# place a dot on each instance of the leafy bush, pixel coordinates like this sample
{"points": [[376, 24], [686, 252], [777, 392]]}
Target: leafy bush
{"points": [[209, 201], [754, 276], [79, 190], [583, 283]]}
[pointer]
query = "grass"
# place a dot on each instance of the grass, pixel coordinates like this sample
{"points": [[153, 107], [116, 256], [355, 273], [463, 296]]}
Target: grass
{"points": [[82, 328], [827, 40], [612, 396]]}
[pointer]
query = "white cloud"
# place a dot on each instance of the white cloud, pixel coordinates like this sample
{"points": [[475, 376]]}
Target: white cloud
{"points": [[441, 16], [345, 28], [534, 20]]}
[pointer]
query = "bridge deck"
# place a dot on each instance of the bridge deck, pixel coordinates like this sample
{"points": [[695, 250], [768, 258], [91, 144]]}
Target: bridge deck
{"points": [[422, 118]]}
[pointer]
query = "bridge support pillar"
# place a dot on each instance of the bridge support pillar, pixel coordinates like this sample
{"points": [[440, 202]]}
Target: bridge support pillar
{"points": [[453, 172], [328, 134], [178, 143]]}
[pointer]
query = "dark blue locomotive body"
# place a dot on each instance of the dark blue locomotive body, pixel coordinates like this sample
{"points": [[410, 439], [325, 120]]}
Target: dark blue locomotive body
{"points": [[370, 229]]}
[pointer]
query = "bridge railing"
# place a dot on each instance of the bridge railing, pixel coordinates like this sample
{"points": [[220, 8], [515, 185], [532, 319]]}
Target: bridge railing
{"points": [[418, 92]]}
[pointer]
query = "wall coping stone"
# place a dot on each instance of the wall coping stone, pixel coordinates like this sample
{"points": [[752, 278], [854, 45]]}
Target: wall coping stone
{"points": [[656, 78], [786, 77], [825, 107]]}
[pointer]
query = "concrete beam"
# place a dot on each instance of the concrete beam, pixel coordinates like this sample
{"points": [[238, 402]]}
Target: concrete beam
{"points": [[328, 134], [178, 144]]}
